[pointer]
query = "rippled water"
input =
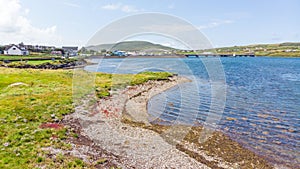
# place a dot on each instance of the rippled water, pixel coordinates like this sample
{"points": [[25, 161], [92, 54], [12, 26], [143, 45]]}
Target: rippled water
{"points": [[262, 109]]}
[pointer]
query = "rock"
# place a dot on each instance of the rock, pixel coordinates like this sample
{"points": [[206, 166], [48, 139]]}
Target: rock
{"points": [[17, 84], [230, 118], [56, 120]]}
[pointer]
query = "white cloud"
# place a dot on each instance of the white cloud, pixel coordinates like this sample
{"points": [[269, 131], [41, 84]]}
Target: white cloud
{"points": [[72, 5], [214, 24], [121, 7], [112, 6], [15, 27]]}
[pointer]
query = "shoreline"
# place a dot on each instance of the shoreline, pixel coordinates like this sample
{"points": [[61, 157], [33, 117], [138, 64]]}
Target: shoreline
{"points": [[67, 65], [135, 57], [119, 125], [180, 56]]}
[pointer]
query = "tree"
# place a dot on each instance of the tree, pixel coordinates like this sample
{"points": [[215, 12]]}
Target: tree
{"points": [[59, 49], [83, 50]]}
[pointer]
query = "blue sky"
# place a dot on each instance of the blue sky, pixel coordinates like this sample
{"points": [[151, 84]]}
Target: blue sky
{"points": [[74, 22]]}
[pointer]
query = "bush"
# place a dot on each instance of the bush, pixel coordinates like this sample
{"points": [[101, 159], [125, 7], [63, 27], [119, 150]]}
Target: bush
{"points": [[16, 64]]}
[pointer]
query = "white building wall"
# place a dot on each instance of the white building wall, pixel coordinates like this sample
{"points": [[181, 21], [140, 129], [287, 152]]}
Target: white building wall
{"points": [[14, 51]]}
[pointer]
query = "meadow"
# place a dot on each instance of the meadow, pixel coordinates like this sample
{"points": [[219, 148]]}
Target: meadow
{"points": [[32, 101]]}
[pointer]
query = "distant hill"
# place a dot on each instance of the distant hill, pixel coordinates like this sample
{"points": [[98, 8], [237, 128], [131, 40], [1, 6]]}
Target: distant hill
{"points": [[290, 44], [131, 46], [287, 49]]}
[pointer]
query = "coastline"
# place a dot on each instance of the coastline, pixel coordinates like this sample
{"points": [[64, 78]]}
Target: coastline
{"points": [[135, 57], [118, 125], [179, 56]]}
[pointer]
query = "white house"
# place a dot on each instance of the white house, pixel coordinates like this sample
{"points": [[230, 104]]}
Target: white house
{"points": [[15, 50]]}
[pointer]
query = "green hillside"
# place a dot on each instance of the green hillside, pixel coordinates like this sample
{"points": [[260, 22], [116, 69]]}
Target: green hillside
{"points": [[131, 46], [288, 49]]}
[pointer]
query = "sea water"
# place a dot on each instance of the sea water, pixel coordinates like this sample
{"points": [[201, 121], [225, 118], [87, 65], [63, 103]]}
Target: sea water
{"points": [[262, 108]]}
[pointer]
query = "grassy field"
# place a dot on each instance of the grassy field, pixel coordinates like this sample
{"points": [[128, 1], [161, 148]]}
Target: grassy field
{"points": [[30, 98], [272, 50], [13, 57], [38, 62]]}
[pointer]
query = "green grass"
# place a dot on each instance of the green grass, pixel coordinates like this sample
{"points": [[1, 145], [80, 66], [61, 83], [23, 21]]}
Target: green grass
{"points": [[24, 107], [105, 82], [274, 50], [14, 57], [7, 57], [38, 62]]}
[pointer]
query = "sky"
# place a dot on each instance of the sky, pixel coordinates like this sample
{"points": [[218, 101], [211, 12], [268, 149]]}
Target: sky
{"points": [[74, 22]]}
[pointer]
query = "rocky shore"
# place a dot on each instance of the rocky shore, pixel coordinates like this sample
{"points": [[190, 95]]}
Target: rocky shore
{"points": [[60, 65], [117, 130]]}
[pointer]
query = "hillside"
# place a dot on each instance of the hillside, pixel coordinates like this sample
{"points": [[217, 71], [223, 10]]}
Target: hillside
{"points": [[131, 46], [288, 49]]}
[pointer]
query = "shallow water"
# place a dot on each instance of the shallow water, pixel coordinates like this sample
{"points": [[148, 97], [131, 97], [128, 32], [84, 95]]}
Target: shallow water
{"points": [[262, 109]]}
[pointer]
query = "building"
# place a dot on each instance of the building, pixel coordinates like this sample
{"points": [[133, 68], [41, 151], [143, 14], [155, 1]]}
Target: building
{"points": [[56, 52], [70, 51], [119, 53], [15, 50], [38, 48]]}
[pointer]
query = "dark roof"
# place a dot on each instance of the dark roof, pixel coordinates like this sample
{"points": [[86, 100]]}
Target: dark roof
{"points": [[69, 48], [9, 46]]}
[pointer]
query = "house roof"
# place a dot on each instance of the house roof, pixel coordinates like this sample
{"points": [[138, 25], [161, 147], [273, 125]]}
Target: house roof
{"points": [[7, 47], [10, 46], [70, 47]]}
